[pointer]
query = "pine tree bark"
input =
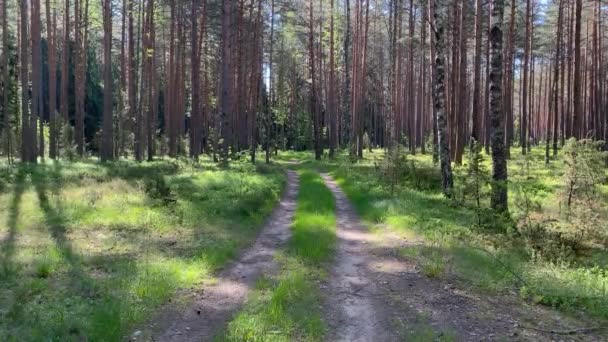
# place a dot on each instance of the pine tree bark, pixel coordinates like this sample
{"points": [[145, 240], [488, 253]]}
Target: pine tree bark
{"points": [[477, 108], [411, 123], [523, 123], [27, 155], [225, 108], [333, 115], [313, 86], [36, 142], [578, 62], [65, 73], [107, 138], [52, 77], [152, 83], [431, 8], [268, 114], [132, 84], [346, 95], [195, 62], [81, 20], [6, 123], [497, 117]]}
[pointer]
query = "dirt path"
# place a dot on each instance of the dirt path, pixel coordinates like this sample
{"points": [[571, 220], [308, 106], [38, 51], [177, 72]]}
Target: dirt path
{"points": [[214, 305], [351, 306], [374, 294]]}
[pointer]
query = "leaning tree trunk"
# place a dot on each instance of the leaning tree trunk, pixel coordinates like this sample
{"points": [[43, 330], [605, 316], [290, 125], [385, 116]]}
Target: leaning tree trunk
{"points": [[497, 115], [447, 182]]}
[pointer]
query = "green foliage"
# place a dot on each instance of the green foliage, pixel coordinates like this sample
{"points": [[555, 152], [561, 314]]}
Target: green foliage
{"points": [[584, 161], [87, 253], [584, 173], [157, 189], [398, 169], [67, 147]]}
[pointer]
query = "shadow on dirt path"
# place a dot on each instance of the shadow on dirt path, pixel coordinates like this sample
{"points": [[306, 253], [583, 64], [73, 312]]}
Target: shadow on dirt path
{"points": [[213, 306]]}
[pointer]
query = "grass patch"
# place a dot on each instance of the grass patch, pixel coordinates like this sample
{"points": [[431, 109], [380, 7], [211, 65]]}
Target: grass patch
{"points": [[87, 250], [287, 307]]}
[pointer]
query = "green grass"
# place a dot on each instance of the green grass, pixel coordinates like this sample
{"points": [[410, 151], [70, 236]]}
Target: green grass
{"points": [[88, 250], [490, 258], [286, 307]]}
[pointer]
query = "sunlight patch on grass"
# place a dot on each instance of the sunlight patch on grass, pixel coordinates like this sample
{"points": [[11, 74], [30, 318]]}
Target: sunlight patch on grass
{"points": [[86, 251]]}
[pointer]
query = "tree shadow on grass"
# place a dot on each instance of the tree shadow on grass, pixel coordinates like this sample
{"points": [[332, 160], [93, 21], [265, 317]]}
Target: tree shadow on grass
{"points": [[7, 246], [47, 182]]}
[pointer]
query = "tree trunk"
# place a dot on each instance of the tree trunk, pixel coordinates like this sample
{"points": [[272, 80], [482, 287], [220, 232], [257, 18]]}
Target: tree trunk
{"points": [[556, 77], [81, 36], [508, 82], [65, 73], [433, 73], [36, 101], [313, 87], [225, 108], [523, 123], [268, 116], [52, 77], [107, 139], [477, 108], [27, 155], [346, 96], [578, 62], [439, 19], [195, 124], [153, 100], [6, 126], [499, 160], [333, 115]]}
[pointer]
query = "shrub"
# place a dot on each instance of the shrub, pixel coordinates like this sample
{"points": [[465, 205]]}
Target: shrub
{"points": [[158, 189], [584, 172], [544, 243]]}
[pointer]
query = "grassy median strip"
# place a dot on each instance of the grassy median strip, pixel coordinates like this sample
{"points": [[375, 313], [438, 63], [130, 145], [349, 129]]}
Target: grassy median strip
{"points": [[286, 307]]}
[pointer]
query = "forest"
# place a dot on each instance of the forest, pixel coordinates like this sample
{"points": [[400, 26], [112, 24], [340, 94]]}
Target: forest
{"points": [[303, 170]]}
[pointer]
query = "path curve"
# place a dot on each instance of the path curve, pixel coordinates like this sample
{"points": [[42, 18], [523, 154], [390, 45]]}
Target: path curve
{"points": [[351, 309], [217, 303]]}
